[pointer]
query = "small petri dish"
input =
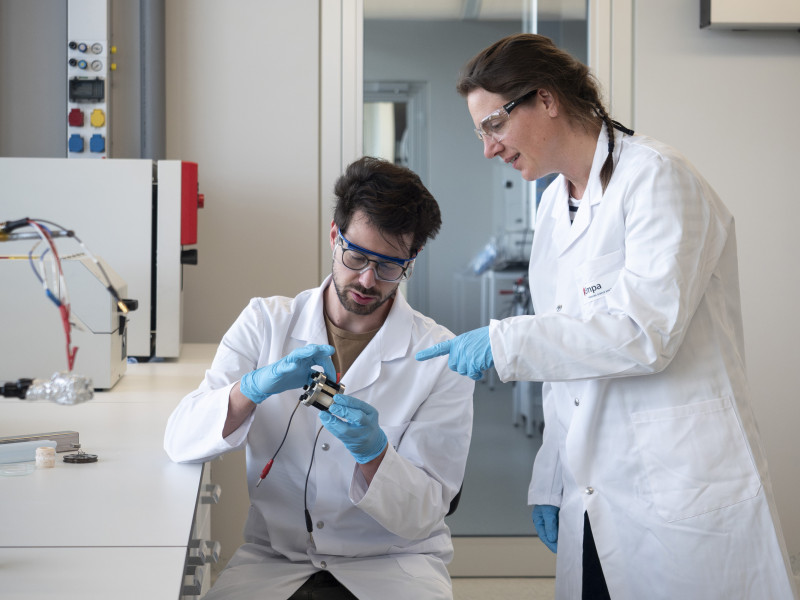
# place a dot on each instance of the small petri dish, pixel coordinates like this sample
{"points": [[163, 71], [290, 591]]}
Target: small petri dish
{"points": [[17, 469]]}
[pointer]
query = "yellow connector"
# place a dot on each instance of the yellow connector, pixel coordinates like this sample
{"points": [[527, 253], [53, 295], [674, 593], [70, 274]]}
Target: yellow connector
{"points": [[97, 118]]}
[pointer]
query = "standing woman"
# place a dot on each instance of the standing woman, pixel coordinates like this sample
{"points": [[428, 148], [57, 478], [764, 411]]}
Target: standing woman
{"points": [[651, 481]]}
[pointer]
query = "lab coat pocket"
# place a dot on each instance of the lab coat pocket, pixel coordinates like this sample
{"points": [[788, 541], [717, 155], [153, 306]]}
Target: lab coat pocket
{"points": [[596, 277], [695, 458]]}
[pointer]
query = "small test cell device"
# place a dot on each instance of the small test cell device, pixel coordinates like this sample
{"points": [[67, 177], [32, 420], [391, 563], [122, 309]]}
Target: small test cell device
{"points": [[320, 392]]}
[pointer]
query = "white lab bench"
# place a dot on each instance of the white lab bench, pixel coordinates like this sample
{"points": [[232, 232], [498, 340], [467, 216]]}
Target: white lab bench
{"points": [[117, 528]]}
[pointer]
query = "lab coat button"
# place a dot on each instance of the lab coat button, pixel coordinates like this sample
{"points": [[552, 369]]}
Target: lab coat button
{"points": [[320, 524], [323, 564], [559, 307], [589, 491], [325, 445], [577, 401]]}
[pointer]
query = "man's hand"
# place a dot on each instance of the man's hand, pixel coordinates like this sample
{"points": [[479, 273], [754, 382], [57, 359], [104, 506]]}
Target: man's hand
{"points": [[359, 432], [291, 372], [470, 353]]}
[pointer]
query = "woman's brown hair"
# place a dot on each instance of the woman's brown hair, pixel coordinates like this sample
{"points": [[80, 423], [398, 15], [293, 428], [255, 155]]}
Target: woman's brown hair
{"points": [[519, 63]]}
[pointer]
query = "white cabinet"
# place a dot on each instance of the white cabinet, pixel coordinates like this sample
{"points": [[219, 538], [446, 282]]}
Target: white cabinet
{"points": [[119, 527], [202, 551]]}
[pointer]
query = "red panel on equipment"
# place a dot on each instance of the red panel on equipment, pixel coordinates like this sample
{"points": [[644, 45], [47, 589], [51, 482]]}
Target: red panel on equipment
{"points": [[189, 203]]}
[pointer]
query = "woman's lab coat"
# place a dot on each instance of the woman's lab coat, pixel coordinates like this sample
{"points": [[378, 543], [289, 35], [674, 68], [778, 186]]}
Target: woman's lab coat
{"points": [[648, 427], [364, 535]]}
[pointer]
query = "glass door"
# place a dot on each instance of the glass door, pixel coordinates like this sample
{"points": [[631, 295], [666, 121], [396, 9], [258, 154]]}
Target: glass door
{"points": [[414, 116]]}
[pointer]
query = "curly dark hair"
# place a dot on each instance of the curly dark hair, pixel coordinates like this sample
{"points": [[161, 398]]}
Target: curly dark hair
{"points": [[392, 197]]}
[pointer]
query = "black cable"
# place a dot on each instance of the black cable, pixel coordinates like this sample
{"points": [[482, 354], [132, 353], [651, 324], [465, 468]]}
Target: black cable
{"points": [[285, 433], [309, 526], [268, 466], [110, 287]]}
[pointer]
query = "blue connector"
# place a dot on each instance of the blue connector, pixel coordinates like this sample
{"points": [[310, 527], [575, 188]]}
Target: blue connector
{"points": [[97, 143], [76, 143]]}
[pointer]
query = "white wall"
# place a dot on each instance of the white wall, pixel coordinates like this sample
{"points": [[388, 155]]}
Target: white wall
{"points": [[729, 101], [243, 102]]}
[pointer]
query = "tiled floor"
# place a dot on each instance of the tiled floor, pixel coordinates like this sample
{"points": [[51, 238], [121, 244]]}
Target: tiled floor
{"points": [[539, 588]]}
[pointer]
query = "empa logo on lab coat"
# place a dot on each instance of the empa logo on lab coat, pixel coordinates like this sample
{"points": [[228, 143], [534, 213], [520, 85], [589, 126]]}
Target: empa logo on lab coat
{"points": [[599, 287], [593, 290]]}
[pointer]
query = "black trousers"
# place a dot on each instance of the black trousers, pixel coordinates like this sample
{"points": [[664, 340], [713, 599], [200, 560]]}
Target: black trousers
{"points": [[322, 586], [594, 582]]}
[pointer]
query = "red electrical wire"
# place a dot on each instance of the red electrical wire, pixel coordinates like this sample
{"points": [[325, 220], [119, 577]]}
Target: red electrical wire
{"points": [[60, 298], [268, 466], [71, 351]]}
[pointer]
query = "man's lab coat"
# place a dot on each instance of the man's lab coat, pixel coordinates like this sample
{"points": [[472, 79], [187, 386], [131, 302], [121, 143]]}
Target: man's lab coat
{"points": [[364, 535], [648, 426]]}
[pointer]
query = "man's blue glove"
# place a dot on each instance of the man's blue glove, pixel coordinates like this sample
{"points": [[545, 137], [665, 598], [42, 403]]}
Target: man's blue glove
{"points": [[361, 434], [470, 353], [291, 372], [545, 519]]}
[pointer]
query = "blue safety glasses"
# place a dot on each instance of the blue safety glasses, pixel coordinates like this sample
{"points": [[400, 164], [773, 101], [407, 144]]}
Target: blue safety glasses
{"points": [[389, 268]]}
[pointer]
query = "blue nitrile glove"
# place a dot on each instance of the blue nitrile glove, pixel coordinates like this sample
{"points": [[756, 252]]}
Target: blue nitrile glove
{"points": [[291, 372], [361, 434], [545, 519], [470, 353]]}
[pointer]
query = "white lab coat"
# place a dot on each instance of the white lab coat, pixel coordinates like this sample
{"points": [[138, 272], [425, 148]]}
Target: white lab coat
{"points": [[367, 536], [648, 427]]}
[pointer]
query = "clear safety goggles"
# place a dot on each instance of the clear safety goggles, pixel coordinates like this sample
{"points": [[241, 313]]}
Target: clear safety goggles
{"points": [[494, 125], [389, 268]]}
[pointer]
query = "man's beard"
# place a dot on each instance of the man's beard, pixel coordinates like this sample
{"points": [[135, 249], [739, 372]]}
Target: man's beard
{"points": [[356, 308]]}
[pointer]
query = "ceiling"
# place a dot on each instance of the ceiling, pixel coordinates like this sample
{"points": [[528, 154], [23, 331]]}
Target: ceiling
{"points": [[480, 10]]}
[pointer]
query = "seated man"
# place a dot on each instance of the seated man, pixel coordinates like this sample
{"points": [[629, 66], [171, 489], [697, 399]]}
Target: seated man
{"points": [[354, 503]]}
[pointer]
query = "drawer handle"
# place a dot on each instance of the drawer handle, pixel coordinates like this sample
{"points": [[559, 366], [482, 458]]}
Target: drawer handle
{"points": [[214, 549], [212, 494], [193, 580], [202, 552]]}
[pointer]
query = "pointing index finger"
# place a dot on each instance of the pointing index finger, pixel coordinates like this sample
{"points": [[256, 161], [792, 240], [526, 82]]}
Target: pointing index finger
{"points": [[440, 349]]}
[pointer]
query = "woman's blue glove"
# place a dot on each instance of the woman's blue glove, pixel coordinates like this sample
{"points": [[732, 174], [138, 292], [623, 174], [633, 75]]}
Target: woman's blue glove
{"points": [[291, 372], [545, 519], [361, 434], [470, 353]]}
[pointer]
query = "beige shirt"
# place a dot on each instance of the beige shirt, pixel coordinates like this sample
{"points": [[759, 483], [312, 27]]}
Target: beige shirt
{"points": [[348, 346]]}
